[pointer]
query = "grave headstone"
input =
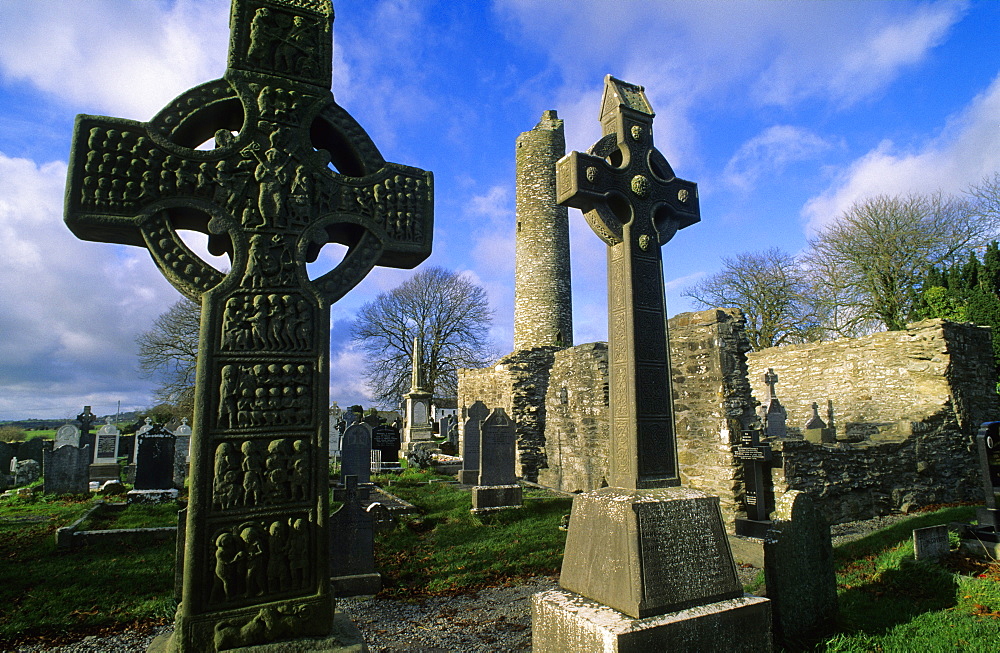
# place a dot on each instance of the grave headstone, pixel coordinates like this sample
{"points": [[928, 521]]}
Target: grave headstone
{"points": [[105, 464], [67, 470], [642, 547], [498, 488], [799, 572], [775, 415], [816, 430], [469, 473], [988, 446], [67, 435], [154, 459], [931, 543], [25, 471], [266, 195], [352, 546], [356, 452], [7, 453], [387, 440], [758, 493], [33, 449], [182, 451], [418, 427]]}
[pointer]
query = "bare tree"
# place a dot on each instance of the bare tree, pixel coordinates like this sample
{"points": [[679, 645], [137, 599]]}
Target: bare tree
{"points": [[447, 311], [770, 288], [882, 246], [169, 352]]}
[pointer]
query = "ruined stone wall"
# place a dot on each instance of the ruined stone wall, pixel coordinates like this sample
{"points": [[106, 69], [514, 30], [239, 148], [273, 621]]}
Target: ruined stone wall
{"points": [[576, 420], [905, 405], [712, 401], [518, 383]]}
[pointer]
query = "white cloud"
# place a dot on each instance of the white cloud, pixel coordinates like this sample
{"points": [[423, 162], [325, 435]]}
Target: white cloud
{"points": [[123, 58], [69, 309], [770, 152], [966, 150]]}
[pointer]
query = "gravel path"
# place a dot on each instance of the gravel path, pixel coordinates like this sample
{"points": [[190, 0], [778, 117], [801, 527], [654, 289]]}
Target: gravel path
{"points": [[490, 620]]}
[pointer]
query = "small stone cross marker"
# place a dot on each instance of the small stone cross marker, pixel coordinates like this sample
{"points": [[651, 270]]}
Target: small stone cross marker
{"points": [[634, 203], [255, 561], [771, 379]]}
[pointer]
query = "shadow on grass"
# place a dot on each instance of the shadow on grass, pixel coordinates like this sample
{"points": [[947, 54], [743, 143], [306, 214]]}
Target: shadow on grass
{"points": [[900, 532], [896, 596]]}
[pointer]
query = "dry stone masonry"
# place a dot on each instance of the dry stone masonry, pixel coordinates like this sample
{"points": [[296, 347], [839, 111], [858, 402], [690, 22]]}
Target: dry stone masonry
{"points": [[543, 303]]}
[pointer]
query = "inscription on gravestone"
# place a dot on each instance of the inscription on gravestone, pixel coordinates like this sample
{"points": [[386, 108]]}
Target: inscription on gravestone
{"points": [[265, 194], [758, 492]]}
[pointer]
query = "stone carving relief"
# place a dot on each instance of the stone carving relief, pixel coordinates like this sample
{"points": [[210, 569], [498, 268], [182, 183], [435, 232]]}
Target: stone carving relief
{"points": [[270, 322], [265, 395], [261, 472], [260, 557]]}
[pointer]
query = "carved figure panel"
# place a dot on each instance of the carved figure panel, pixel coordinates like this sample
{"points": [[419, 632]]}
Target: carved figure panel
{"points": [[259, 557], [267, 322], [265, 395]]}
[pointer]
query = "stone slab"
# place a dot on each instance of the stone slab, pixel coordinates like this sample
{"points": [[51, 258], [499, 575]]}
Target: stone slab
{"points": [[356, 585], [648, 552], [344, 638], [931, 543], [490, 498], [562, 621], [104, 471], [151, 496]]}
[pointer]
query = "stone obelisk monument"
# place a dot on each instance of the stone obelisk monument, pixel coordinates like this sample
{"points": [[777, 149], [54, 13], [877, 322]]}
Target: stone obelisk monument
{"points": [[255, 556], [647, 563], [418, 404]]}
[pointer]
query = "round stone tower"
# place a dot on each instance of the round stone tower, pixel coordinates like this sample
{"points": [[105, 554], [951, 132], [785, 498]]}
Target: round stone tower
{"points": [[543, 303]]}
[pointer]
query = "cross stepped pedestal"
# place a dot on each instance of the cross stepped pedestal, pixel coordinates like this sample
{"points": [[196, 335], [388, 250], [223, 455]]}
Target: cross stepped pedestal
{"points": [[647, 564]]}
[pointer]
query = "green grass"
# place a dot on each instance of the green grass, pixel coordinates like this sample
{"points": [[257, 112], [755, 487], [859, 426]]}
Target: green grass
{"points": [[447, 549], [49, 594], [134, 516], [890, 602]]}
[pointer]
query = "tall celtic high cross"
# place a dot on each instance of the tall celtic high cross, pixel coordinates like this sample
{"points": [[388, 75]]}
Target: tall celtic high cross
{"points": [[263, 187], [634, 202]]}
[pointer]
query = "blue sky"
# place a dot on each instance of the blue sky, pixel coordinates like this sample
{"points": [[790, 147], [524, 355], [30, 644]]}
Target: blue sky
{"points": [[783, 112]]}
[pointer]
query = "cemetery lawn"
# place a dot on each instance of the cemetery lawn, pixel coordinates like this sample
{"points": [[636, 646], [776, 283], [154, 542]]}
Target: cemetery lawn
{"points": [[447, 550], [50, 595], [890, 602]]}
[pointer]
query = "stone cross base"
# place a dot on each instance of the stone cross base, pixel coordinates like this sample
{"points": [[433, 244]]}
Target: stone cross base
{"points": [[489, 498], [343, 638], [563, 621], [104, 472], [151, 496], [649, 552], [356, 585], [415, 436]]}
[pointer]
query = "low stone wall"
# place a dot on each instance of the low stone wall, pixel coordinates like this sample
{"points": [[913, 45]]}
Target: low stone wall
{"points": [[905, 405]]}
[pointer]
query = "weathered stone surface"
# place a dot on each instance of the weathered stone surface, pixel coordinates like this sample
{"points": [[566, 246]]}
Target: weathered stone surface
{"points": [[491, 498], [931, 543], [352, 546], [418, 428], [356, 452], [650, 552], [471, 441], [543, 300], [798, 570], [265, 194], [496, 449], [562, 621], [67, 470]]}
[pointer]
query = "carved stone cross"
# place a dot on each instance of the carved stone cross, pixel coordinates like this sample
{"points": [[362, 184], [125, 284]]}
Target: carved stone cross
{"points": [[771, 379], [632, 200], [247, 160]]}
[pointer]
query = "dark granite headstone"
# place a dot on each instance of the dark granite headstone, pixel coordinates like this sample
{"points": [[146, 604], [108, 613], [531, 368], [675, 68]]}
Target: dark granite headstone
{"points": [[154, 460], [352, 546], [32, 449], [758, 490], [469, 473], [498, 488], [67, 470], [799, 572], [356, 453], [387, 439]]}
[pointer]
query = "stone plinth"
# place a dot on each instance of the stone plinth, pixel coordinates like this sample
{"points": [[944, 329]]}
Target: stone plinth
{"points": [[562, 621], [648, 552], [490, 498]]}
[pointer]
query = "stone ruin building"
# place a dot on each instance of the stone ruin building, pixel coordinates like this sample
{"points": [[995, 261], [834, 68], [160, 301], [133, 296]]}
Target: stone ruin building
{"points": [[904, 405]]}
